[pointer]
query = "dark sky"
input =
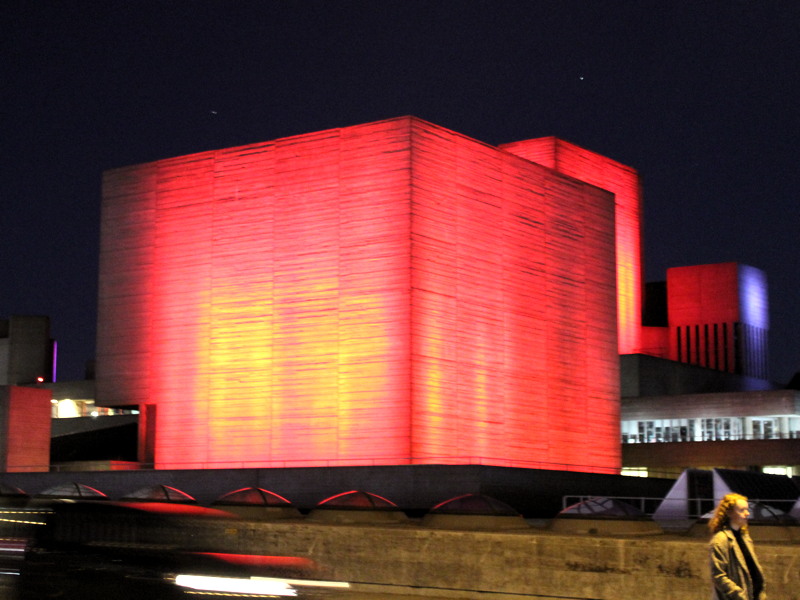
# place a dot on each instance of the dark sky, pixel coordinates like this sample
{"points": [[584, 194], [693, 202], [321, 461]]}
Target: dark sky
{"points": [[701, 97]]}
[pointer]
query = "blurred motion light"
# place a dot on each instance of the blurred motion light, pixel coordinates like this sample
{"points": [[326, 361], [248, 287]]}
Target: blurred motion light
{"points": [[254, 585], [274, 587]]}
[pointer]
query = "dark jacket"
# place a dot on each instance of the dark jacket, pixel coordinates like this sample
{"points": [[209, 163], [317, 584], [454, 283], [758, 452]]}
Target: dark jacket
{"points": [[729, 573]]}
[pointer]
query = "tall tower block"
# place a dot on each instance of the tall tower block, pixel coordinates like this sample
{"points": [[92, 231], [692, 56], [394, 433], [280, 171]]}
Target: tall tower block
{"points": [[623, 182], [384, 294]]}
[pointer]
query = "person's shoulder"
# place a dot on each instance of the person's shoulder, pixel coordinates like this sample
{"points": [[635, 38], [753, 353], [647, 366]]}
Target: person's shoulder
{"points": [[722, 536]]}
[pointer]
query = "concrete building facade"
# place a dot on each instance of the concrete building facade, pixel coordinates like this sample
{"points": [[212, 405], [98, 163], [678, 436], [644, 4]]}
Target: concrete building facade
{"points": [[391, 293], [716, 317], [27, 352], [24, 429]]}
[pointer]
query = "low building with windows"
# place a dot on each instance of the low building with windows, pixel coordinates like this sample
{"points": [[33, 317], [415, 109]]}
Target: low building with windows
{"points": [[753, 430], [767, 415], [699, 395]]}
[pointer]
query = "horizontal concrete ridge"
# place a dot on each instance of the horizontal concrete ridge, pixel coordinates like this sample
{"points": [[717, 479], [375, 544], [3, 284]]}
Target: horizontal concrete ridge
{"points": [[407, 561]]}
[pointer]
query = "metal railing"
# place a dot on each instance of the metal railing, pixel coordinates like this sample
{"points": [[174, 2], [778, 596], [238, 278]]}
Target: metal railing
{"points": [[634, 438], [695, 508]]}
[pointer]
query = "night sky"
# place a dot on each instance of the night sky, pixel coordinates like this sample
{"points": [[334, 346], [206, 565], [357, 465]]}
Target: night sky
{"points": [[701, 97]]}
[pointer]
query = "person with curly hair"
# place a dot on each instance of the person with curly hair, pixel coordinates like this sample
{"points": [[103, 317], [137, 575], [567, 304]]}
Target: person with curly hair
{"points": [[735, 571]]}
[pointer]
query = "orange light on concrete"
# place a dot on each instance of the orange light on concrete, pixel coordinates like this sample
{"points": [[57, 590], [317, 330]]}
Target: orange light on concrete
{"points": [[390, 293]]}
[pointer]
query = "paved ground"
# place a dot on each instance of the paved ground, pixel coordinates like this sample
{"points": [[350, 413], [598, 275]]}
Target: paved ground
{"points": [[8, 592], [7, 587]]}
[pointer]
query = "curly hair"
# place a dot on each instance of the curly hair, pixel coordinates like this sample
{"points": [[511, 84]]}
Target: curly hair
{"points": [[721, 518]]}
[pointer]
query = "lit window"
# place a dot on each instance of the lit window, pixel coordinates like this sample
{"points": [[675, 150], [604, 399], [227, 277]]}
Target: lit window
{"points": [[634, 471], [775, 470]]}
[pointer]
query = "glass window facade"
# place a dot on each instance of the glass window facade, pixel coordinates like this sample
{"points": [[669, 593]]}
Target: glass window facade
{"points": [[711, 429]]}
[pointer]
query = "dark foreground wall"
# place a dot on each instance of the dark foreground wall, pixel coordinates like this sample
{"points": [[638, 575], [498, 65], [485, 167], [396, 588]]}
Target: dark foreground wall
{"points": [[417, 562], [410, 559], [532, 492]]}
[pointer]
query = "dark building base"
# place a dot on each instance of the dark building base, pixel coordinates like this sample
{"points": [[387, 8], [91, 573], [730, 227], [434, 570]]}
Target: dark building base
{"points": [[414, 488]]}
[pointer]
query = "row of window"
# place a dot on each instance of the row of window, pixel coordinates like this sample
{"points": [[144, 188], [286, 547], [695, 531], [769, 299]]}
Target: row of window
{"points": [[67, 408], [710, 429], [773, 470]]}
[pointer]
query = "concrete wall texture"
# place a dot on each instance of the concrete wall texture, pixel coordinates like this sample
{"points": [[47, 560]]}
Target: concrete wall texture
{"points": [[384, 294], [534, 493], [24, 429], [415, 562]]}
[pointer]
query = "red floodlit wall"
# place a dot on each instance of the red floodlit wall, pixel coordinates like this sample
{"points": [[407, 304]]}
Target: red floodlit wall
{"points": [[24, 429], [623, 182], [655, 341], [514, 341], [390, 293]]}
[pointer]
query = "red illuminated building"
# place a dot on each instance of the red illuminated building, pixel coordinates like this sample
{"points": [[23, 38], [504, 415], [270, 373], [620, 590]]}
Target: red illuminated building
{"points": [[385, 294], [623, 182], [714, 316], [24, 429], [719, 317]]}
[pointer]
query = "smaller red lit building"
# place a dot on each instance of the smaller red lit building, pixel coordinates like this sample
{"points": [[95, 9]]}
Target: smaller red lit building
{"points": [[27, 360], [24, 429], [717, 317]]}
